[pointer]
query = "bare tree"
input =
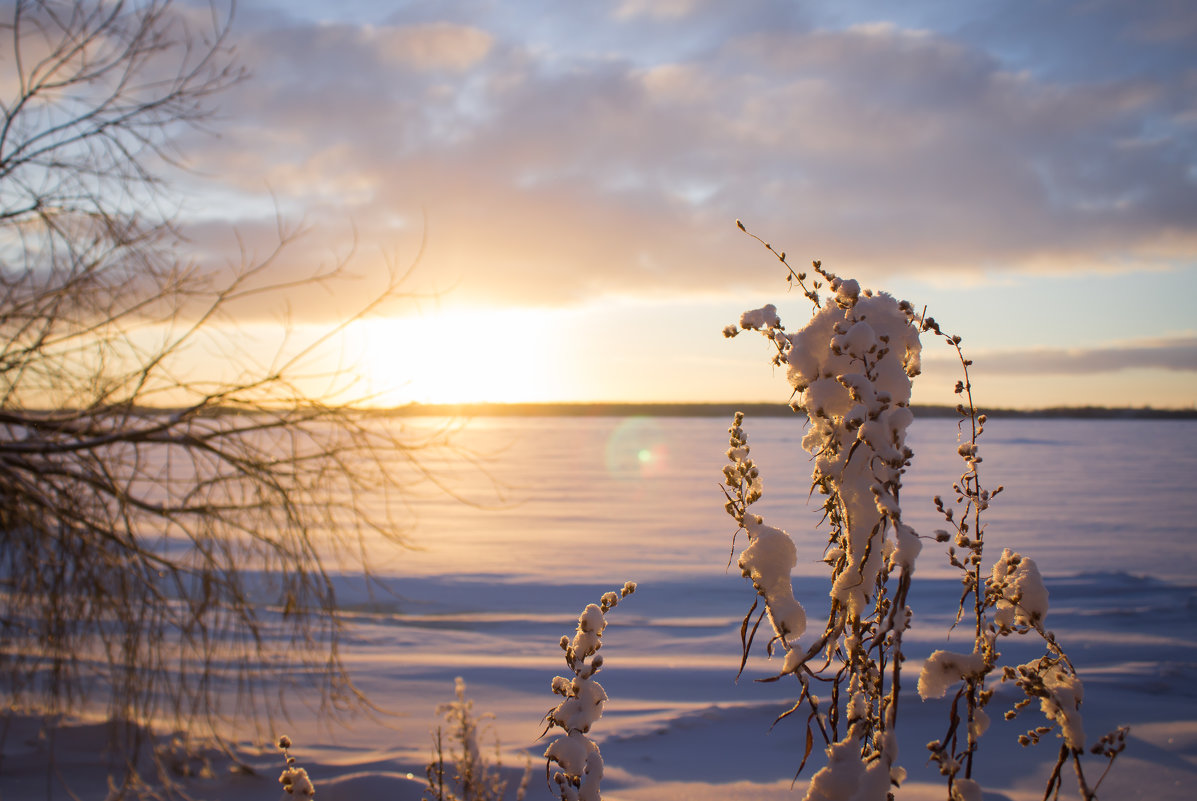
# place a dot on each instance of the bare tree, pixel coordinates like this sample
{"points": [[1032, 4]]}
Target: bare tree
{"points": [[163, 535]]}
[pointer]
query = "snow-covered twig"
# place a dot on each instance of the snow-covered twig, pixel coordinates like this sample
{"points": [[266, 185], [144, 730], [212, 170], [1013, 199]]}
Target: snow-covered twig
{"points": [[579, 763], [294, 779], [1008, 598]]}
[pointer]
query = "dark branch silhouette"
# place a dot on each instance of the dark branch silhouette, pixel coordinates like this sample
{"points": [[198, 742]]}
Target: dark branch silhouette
{"points": [[165, 534]]}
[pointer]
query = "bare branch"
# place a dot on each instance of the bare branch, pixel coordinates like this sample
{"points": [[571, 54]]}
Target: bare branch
{"points": [[141, 504]]}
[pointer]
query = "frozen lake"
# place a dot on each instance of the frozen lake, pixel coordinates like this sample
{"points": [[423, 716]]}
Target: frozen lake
{"points": [[1082, 496], [564, 509]]}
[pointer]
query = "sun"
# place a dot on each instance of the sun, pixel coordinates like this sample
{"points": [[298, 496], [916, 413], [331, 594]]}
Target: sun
{"points": [[457, 356]]}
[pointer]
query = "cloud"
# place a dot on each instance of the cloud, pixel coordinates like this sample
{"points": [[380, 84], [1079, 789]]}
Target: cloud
{"points": [[656, 9], [1177, 354], [433, 46], [555, 168]]}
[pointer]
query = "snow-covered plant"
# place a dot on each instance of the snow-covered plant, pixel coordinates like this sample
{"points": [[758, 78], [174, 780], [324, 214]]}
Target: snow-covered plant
{"points": [[294, 779], [851, 368], [474, 778], [579, 763], [1006, 599]]}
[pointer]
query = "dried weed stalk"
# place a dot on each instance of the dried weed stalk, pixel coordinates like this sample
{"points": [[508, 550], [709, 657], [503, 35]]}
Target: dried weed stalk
{"points": [[294, 779], [579, 763], [850, 368], [473, 777]]}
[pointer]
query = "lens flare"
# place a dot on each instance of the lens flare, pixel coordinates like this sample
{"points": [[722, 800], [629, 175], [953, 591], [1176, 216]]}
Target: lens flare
{"points": [[637, 448]]}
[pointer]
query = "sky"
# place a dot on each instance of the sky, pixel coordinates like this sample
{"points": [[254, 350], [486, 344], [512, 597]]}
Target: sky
{"points": [[561, 181]]}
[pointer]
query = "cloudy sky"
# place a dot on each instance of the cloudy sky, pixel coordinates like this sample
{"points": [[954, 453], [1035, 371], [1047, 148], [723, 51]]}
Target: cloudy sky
{"points": [[1026, 170]]}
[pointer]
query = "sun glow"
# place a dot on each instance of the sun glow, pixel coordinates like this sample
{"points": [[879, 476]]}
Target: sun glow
{"points": [[458, 356]]}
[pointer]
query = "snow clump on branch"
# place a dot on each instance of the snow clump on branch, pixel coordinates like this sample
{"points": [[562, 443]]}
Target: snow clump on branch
{"points": [[577, 756], [851, 367]]}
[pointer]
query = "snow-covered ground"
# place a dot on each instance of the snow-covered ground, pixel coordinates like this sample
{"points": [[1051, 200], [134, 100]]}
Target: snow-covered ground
{"points": [[1106, 508]]}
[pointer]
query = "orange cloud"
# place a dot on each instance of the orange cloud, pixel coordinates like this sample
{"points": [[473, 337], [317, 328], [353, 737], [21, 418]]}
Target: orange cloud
{"points": [[431, 46]]}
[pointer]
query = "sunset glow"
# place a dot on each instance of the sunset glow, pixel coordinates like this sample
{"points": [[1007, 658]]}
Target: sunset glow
{"points": [[1029, 173], [456, 356]]}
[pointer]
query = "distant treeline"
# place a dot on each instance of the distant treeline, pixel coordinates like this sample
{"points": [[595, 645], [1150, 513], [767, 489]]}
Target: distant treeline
{"points": [[749, 409], [42, 418]]}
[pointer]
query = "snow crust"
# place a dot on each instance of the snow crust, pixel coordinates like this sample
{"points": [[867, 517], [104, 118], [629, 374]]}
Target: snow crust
{"points": [[1136, 625]]}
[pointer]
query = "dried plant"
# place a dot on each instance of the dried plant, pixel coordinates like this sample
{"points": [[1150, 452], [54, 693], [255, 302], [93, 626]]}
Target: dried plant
{"points": [[474, 778], [294, 779], [1007, 599], [579, 763], [850, 368]]}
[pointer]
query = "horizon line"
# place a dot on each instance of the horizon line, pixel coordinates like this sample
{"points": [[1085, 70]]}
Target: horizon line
{"points": [[754, 408]]}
